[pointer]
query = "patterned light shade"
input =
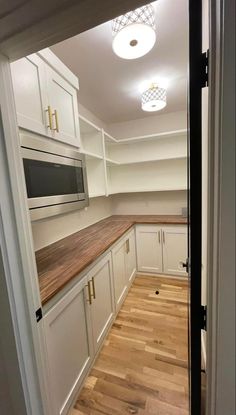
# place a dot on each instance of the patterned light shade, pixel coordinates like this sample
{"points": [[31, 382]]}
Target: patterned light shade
{"points": [[153, 99], [134, 33]]}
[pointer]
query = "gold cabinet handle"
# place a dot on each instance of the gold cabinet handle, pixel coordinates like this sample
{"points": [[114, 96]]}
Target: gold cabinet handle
{"points": [[127, 246], [49, 111], [89, 293], [164, 238], [55, 114], [159, 236], [94, 291]]}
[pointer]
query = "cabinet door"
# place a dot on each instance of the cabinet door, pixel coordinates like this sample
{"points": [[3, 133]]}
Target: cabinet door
{"points": [[174, 249], [63, 101], [119, 273], [149, 248], [130, 260], [69, 345], [29, 85], [102, 302]]}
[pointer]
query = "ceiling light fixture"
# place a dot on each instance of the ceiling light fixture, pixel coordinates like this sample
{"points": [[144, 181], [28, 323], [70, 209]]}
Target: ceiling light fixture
{"points": [[134, 32], [154, 98]]}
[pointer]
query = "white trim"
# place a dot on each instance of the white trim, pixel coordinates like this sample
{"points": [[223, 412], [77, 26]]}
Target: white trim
{"points": [[25, 297], [52, 60], [203, 348], [81, 117], [221, 281]]}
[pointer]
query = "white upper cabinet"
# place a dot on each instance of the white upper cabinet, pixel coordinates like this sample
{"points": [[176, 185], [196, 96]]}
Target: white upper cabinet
{"points": [[174, 249], [100, 282], [149, 248], [29, 84], [46, 97], [63, 101]]}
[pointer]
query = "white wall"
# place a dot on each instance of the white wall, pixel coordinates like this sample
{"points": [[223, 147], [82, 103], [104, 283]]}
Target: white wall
{"points": [[153, 203], [91, 117], [149, 125], [52, 229]]}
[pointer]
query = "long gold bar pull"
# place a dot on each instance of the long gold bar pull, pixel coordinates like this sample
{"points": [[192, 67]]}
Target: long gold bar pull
{"points": [[127, 246], [89, 293], [55, 114], [49, 111], [94, 291]]}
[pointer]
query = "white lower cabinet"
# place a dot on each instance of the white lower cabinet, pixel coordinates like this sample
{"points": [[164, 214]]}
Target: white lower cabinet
{"points": [[149, 248], [174, 249], [119, 272], [76, 325], [124, 266], [161, 249], [102, 299], [69, 345], [131, 261]]}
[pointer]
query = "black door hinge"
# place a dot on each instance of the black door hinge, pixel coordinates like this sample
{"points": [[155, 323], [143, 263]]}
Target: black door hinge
{"points": [[186, 265], [204, 69], [39, 314], [203, 317]]}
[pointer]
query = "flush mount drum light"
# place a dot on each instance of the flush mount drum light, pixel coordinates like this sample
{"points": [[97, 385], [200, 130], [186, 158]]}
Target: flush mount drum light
{"points": [[134, 33], [153, 99]]}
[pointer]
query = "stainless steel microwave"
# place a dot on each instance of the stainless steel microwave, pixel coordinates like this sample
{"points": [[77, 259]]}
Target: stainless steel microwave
{"points": [[55, 177]]}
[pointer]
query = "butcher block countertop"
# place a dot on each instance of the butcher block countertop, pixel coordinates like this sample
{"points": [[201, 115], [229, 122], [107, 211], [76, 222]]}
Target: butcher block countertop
{"points": [[63, 260]]}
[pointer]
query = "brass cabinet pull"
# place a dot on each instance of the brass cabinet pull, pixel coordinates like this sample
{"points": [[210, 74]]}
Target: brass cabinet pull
{"points": [[55, 114], [94, 291], [159, 236], [89, 293], [49, 111], [164, 238], [127, 246]]}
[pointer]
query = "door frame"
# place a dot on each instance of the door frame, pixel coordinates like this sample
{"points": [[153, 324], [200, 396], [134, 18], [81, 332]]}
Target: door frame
{"points": [[221, 215], [31, 346]]}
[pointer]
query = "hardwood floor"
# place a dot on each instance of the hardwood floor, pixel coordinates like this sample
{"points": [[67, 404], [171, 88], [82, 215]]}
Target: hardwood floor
{"points": [[142, 367]]}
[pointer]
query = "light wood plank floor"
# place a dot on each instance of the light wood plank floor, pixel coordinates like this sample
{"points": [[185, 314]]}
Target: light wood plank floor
{"points": [[142, 367]]}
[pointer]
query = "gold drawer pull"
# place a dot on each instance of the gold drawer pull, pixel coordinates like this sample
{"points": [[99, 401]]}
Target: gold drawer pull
{"points": [[89, 293], [49, 111], [55, 114], [127, 246], [94, 291]]}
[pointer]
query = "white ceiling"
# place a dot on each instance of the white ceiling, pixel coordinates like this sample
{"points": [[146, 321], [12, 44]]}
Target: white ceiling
{"points": [[109, 86]]}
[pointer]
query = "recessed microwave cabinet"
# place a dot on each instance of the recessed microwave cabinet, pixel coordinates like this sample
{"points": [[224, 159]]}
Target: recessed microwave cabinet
{"points": [[46, 97]]}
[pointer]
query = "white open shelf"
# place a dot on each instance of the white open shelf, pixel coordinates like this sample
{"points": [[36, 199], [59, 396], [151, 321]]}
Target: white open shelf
{"points": [[91, 138], [90, 155], [150, 163]]}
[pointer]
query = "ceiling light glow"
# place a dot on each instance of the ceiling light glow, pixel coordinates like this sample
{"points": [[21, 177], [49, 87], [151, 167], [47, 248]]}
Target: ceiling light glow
{"points": [[134, 33], [154, 98]]}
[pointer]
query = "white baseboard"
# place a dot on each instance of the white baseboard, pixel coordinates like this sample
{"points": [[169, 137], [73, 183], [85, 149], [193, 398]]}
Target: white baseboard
{"points": [[149, 274]]}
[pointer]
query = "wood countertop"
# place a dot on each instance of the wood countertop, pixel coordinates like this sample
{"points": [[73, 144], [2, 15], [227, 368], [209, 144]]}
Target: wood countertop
{"points": [[63, 260]]}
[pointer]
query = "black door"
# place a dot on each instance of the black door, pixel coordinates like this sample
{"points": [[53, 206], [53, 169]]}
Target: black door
{"points": [[196, 80]]}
